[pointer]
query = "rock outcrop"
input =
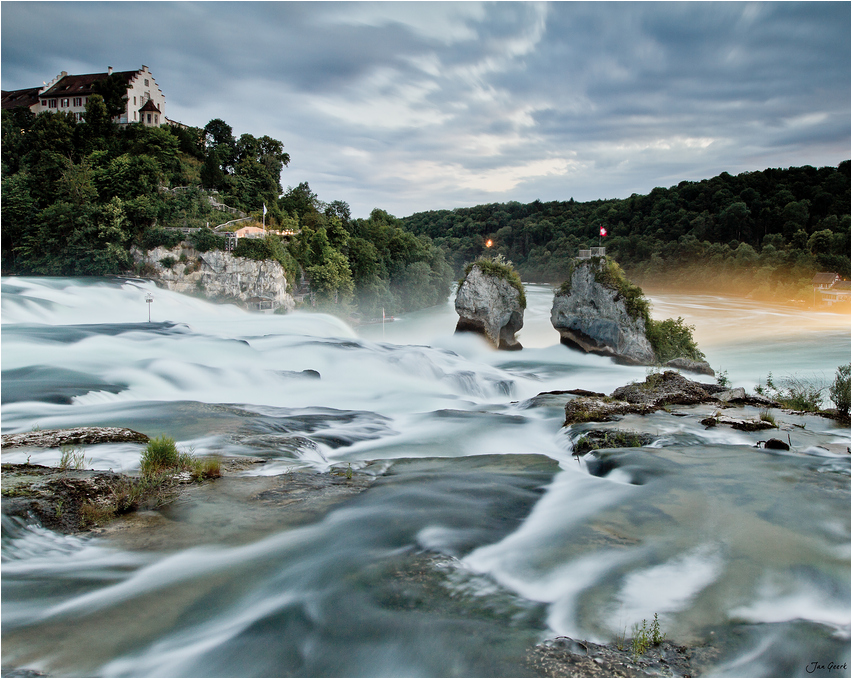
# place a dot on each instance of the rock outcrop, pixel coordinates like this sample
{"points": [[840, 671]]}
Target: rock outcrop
{"points": [[56, 438], [668, 388], [492, 306], [701, 367], [219, 276], [658, 390], [594, 317]]}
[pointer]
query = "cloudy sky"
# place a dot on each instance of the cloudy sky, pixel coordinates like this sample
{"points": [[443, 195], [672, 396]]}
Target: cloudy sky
{"points": [[414, 106]]}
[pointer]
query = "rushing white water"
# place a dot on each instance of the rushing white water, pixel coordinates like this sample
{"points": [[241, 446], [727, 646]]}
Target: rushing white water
{"points": [[740, 547]]}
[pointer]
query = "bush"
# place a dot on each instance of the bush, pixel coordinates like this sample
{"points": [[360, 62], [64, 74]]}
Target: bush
{"points": [[168, 261], [205, 240], [839, 392], [160, 453], [161, 458], [157, 236], [795, 392], [672, 339]]}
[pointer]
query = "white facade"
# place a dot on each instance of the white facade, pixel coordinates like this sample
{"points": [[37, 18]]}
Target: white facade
{"points": [[142, 88], [71, 93]]}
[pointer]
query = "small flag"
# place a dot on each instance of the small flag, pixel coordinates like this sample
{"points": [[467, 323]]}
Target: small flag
{"points": [[264, 209], [603, 231]]}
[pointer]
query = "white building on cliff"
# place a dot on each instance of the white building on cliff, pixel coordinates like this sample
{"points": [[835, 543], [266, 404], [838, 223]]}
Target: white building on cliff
{"points": [[144, 104]]}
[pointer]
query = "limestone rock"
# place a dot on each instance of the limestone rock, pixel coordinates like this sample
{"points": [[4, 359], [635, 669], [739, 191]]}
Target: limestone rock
{"points": [[702, 367], [668, 388], [56, 438], [737, 423], [491, 306], [594, 409], [594, 318], [219, 275]]}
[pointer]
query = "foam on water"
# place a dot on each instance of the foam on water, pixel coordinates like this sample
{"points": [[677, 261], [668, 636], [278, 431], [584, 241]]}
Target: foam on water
{"points": [[701, 527]]}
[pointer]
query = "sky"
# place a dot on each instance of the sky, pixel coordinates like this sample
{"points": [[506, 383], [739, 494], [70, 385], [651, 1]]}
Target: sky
{"points": [[413, 106]]}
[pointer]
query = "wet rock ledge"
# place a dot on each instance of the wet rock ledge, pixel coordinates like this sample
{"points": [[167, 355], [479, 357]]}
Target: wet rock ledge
{"points": [[656, 392], [566, 657], [85, 436]]}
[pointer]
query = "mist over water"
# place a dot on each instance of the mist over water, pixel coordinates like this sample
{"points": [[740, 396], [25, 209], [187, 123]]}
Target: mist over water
{"points": [[740, 547]]}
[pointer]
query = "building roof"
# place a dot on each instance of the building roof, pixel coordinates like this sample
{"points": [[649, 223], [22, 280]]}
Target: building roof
{"points": [[150, 106], [81, 85], [842, 285], [824, 278], [16, 98]]}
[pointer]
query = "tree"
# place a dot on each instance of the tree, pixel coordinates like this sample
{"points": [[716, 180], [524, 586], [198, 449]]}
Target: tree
{"points": [[839, 392], [219, 138], [113, 90]]}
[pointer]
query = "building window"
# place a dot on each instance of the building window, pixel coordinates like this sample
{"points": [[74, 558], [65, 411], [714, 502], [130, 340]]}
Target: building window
{"points": [[51, 103], [134, 115], [63, 103], [78, 101], [134, 101], [146, 82], [156, 119], [149, 118]]}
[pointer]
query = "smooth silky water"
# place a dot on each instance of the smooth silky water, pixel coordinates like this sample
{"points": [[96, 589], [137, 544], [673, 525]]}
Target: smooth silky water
{"points": [[482, 535]]}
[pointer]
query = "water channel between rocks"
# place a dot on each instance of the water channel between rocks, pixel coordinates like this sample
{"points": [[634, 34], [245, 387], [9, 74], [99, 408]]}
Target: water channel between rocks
{"points": [[477, 534]]}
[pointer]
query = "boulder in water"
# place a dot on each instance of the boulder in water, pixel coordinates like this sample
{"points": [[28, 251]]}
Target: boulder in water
{"points": [[701, 367], [490, 302], [596, 317], [668, 388]]}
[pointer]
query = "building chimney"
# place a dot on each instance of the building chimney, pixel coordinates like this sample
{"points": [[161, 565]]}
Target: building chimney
{"points": [[109, 70]]}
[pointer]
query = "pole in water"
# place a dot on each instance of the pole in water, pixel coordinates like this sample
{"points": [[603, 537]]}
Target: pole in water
{"points": [[149, 298]]}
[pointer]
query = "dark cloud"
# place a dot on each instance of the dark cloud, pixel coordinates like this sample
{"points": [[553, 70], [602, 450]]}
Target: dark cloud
{"points": [[411, 106]]}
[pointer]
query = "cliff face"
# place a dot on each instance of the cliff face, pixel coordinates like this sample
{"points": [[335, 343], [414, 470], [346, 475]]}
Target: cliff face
{"points": [[491, 306], [593, 317], [220, 276]]}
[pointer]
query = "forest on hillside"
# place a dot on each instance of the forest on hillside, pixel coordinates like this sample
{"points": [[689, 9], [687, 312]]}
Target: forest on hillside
{"points": [[78, 195], [764, 233]]}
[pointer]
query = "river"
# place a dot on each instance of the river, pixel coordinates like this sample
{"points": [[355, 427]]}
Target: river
{"points": [[483, 534]]}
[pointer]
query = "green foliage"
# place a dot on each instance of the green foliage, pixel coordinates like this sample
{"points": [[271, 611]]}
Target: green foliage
{"points": [[839, 392], [206, 240], [498, 269], [672, 339], [644, 637], [161, 460], [168, 261], [608, 273], [795, 392], [156, 237], [679, 236], [160, 453], [76, 196]]}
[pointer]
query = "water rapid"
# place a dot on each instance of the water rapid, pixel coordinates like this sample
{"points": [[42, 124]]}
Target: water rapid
{"points": [[482, 534]]}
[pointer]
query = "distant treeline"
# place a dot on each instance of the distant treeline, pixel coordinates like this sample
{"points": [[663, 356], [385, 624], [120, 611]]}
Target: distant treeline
{"points": [[78, 195], [763, 232]]}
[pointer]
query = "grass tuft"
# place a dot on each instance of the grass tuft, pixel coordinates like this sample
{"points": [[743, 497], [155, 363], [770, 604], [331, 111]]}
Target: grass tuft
{"points": [[72, 458]]}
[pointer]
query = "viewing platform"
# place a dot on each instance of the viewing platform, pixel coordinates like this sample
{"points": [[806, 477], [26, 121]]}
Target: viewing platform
{"points": [[592, 252]]}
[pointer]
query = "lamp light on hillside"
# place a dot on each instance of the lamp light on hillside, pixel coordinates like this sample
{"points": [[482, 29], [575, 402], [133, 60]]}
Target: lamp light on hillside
{"points": [[489, 243], [148, 299]]}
